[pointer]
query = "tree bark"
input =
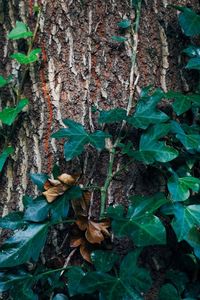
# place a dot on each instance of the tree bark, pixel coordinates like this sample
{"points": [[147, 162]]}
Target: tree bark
{"points": [[82, 67]]}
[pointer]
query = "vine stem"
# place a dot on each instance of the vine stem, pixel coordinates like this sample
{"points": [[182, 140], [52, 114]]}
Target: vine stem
{"points": [[112, 151]]}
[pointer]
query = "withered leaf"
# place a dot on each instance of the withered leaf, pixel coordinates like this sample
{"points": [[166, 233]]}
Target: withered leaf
{"points": [[81, 206], [55, 188], [84, 250], [94, 232]]}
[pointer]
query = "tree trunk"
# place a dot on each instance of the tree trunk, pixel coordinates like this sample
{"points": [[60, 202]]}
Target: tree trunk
{"points": [[83, 67]]}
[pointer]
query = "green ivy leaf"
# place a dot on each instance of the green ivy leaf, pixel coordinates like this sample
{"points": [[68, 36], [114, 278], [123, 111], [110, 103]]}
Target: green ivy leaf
{"points": [[193, 239], [189, 21], [124, 24], [60, 297], [10, 280], [186, 217], [78, 138], [112, 116], [13, 221], [27, 59], [182, 102], [39, 180], [132, 281], [4, 155], [179, 187], [104, 260], [9, 114], [193, 64], [23, 245], [152, 150], [37, 210], [20, 31], [146, 112], [119, 39], [168, 291], [192, 51], [5, 81], [140, 224], [190, 141]]}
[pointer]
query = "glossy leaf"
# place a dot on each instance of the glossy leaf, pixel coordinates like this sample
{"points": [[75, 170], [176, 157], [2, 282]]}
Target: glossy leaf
{"points": [[146, 112], [183, 102], [23, 245], [20, 31], [189, 21], [186, 217], [140, 224], [78, 138], [37, 210], [192, 51], [4, 155], [74, 276], [104, 260], [193, 64], [112, 116], [9, 114], [193, 239], [179, 188], [27, 59], [152, 150], [60, 297], [4, 81], [9, 280], [168, 291], [39, 180], [124, 24], [13, 221]]}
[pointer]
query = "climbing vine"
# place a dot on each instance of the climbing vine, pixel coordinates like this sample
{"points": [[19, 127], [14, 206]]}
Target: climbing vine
{"points": [[167, 140]]}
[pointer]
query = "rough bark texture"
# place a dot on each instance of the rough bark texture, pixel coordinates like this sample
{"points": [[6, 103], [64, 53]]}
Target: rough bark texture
{"points": [[82, 67]]}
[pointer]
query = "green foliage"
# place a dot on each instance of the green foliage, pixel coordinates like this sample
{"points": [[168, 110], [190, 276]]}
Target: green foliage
{"points": [[189, 21], [119, 39], [124, 24], [112, 116], [146, 112], [4, 81], [21, 31], [8, 114], [130, 283], [27, 59], [4, 155], [78, 137]]}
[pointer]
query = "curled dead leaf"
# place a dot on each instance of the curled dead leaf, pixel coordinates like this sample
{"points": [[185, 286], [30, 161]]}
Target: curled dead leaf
{"points": [[84, 250], [55, 188], [81, 206], [94, 232]]}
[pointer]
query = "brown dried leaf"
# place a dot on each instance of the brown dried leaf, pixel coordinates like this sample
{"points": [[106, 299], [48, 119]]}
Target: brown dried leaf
{"points": [[67, 179], [95, 231], [52, 193], [82, 223], [85, 253]]}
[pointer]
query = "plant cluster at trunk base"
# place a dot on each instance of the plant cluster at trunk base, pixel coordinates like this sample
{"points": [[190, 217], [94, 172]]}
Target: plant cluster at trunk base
{"points": [[169, 142]]}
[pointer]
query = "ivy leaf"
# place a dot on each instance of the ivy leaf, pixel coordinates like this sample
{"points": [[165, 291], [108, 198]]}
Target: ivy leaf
{"points": [[168, 291], [119, 39], [37, 210], [152, 150], [179, 187], [78, 138], [27, 59], [20, 31], [140, 224], [4, 81], [9, 114], [186, 217], [193, 64], [182, 102], [23, 245], [193, 239], [146, 112], [13, 221], [74, 275], [192, 51], [189, 21], [112, 116], [124, 24], [4, 155], [60, 297], [104, 260], [190, 141], [39, 180], [10, 280]]}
